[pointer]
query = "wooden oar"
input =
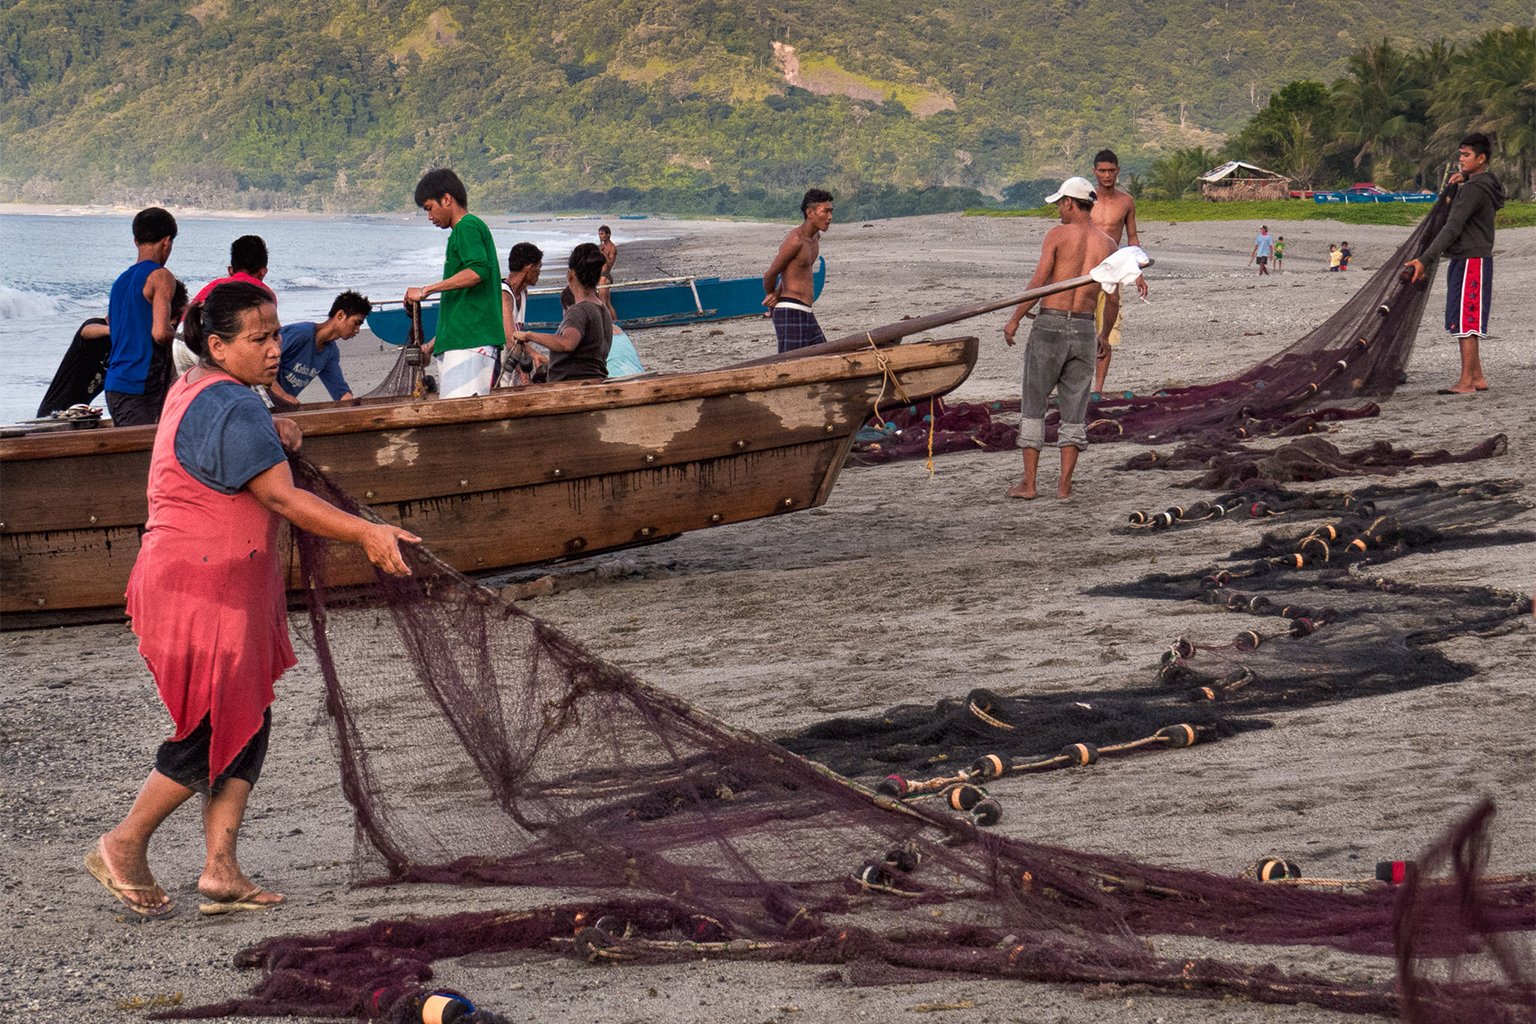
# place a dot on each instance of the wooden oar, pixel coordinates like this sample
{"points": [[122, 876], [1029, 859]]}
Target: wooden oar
{"points": [[891, 333]]}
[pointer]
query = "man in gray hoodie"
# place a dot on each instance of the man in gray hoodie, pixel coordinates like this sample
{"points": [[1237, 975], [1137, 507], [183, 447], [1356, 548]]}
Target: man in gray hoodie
{"points": [[1467, 238]]}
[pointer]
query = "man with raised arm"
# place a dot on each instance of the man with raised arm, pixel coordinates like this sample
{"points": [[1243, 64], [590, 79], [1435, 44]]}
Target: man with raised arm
{"points": [[789, 285], [469, 331], [1063, 342], [141, 327], [1114, 213], [610, 253], [1467, 238]]}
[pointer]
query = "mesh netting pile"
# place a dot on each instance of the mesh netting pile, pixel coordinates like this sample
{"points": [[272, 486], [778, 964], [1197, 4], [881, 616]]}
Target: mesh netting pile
{"points": [[481, 746], [1361, 350]]}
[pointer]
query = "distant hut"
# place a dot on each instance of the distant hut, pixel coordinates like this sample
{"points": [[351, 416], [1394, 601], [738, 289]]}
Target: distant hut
{"points": [[1236, 180]]}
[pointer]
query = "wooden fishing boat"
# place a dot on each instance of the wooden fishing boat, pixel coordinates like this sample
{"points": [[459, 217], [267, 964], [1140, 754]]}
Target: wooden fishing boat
{"points": [[514, 478], [664, 302]]}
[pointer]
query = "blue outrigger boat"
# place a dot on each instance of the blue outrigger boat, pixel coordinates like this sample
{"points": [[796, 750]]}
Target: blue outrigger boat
{"points": [[665, 302]]}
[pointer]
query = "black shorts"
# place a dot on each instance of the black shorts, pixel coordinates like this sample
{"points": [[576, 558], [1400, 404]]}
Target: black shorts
{"points": [[134, 410], [185, 762]]}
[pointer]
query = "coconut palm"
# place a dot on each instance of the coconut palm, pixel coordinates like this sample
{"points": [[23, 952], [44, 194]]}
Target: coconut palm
{"points": [[1491, 88], [1374, 105]]}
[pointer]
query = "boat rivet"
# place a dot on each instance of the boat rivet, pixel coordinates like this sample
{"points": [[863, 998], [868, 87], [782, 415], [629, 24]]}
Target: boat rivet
{"points": [[463, 483], [740, 445], [646, 531], [789, 502], [830, 428], [93, 519], [650, 458], [367, 494], [715, 518], [559, 472], [41, 602], [577, 544]]}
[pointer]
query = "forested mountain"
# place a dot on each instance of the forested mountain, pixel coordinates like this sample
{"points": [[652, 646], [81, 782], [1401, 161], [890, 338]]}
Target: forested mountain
{"points": [[687, 105]]}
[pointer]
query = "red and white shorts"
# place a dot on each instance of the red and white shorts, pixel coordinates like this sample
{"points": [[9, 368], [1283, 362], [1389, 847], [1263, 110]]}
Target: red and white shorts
{"points": [[1468, 292]]}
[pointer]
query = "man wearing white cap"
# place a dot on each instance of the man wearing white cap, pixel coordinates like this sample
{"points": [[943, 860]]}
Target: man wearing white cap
{"points": [[1063, 345]]}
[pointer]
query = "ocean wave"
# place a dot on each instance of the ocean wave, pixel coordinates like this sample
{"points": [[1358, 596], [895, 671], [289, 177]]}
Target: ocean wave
{"points": [[16, 304]]}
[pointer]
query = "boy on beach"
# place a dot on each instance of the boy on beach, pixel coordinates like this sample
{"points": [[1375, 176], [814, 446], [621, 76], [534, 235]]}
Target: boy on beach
{"points": [[1063, 343], [1279, 254], [789, 284], [1334, 258], [1263, 248], [1467, 238], [309, 352], [140, 324], [1114, 213], [1344, 255], [469, 331]]}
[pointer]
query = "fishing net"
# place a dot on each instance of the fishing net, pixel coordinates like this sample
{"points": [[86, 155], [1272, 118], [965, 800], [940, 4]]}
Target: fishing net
{"points": [[479, 745], [1361, 350], [1304, 459]]}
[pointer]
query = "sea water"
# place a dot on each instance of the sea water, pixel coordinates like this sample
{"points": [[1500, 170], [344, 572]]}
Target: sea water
{"points": [[57, 270]]}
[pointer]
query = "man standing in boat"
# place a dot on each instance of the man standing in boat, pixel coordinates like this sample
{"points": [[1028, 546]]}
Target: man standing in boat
{"points": [[789, 283], [309, 351], [1114, 213], [141, 327], [469, 331], [1061, 348]]}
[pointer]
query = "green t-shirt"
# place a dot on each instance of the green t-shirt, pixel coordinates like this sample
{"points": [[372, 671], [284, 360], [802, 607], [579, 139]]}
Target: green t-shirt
{"points": [[470, 317]]}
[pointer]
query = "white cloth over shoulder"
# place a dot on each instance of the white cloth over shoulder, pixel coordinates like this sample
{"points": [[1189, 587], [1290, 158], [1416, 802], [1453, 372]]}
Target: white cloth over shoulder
{"points": [[1121, 269]]}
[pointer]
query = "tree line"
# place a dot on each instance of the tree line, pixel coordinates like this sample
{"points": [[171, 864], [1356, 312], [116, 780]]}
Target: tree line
{"points": [[1394, 118]]}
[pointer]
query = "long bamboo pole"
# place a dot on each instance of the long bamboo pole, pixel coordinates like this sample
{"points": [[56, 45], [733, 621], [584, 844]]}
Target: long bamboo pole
{"points": [[891, 333]]}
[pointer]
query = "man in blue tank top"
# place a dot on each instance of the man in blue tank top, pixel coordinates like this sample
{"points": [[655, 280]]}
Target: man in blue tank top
{"points": [[139, 315]]}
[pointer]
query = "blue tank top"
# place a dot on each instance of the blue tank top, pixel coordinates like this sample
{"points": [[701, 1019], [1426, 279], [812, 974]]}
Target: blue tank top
{"points": [[132, 321]]}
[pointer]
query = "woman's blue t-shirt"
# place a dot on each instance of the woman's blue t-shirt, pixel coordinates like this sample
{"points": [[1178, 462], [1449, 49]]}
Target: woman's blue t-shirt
{"points": [[226, 437]]}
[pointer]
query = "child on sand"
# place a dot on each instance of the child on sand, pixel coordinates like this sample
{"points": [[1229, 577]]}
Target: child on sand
{"points": [[1335, 258]]}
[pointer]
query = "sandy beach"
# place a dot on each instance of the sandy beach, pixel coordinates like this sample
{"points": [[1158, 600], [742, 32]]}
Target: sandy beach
{"points": [[903, 588]]}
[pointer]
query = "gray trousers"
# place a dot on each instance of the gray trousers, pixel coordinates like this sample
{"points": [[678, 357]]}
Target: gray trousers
{"points": [[1059, 355]]}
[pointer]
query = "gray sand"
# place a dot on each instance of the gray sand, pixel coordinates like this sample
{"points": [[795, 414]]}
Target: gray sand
{"points": [[903, 588]]}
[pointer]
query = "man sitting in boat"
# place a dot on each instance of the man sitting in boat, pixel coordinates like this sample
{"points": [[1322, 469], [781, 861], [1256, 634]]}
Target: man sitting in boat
{"points": [[469, 332], [525, 262], [308, 351], [579, 349], [789, 284]]}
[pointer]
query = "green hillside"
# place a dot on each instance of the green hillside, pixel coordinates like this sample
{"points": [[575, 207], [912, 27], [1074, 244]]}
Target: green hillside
{"points": [[710, 106]]}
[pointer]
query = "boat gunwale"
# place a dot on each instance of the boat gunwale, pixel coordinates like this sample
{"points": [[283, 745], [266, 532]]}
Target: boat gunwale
{"points": [[560, 399]]}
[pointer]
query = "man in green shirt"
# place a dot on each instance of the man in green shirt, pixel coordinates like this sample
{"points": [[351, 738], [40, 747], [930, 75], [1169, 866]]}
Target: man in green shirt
{"points": [[469, 330]]}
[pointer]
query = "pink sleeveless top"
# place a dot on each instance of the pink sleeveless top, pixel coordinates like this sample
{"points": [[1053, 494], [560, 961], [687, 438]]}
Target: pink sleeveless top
{"points": [[206, 596]]}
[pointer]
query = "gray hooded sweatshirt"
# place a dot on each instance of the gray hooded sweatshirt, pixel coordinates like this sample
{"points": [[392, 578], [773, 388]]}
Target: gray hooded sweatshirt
{"points": [[1468, 231]]}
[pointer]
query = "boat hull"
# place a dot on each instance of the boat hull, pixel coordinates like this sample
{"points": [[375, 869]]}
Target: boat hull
{"points": [[516, 478], [660, 305]]}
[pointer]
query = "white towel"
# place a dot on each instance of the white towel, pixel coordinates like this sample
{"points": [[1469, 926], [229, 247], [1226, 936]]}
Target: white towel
{"points": [[1121, 269]]}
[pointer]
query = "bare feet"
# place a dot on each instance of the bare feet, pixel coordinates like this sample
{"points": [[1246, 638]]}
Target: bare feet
{"points": [[1064, 489], [122, 867], [1023, 490], [1460, 389]]}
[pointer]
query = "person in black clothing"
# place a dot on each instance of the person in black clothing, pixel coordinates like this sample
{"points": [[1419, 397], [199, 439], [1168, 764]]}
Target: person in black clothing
{"points": [[1468, 239], [83, 370], [579, 349]]}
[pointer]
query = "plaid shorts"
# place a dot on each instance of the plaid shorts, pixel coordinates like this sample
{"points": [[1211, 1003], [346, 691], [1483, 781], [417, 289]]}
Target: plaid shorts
{"points": [[796, 326]]}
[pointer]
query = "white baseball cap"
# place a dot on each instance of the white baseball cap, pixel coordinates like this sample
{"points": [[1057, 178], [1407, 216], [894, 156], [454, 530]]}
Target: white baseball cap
{"points": [[1077, 188]]}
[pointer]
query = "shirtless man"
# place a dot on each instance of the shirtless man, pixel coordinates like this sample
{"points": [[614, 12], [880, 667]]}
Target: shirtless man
{"points": [[1062, 343], [1114, 213], [789, 284], [610, 257]]}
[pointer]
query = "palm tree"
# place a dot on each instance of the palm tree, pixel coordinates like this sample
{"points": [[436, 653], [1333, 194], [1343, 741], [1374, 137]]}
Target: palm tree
{"points": [[1492, 89], [1373, 103]]}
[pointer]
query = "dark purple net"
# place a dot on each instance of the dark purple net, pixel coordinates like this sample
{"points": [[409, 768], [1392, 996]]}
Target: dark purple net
{"points": [[1360, 351], [479, 745]]}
